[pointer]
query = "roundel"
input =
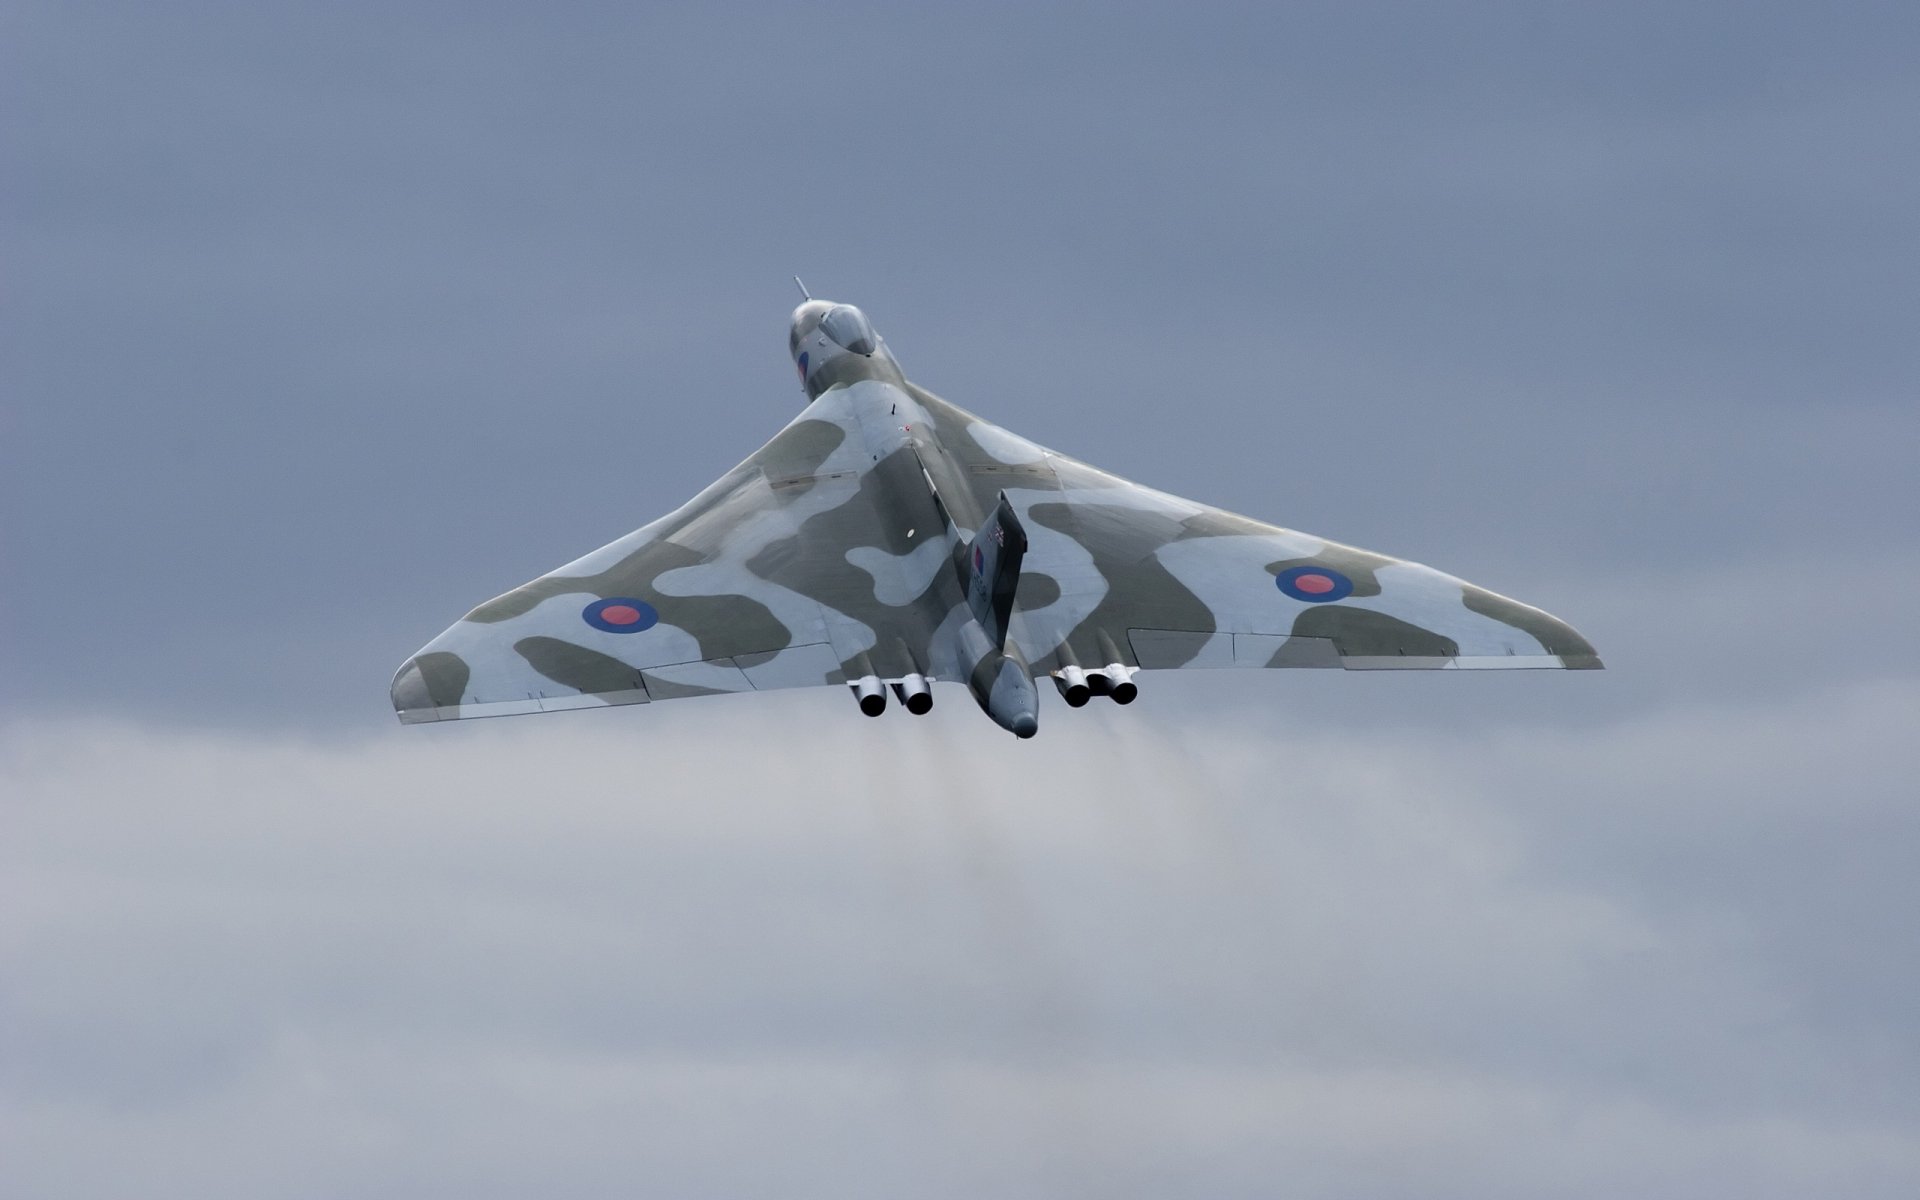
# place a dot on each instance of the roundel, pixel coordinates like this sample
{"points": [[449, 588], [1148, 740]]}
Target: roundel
{"points": [[1315, 585], [620, 614]]}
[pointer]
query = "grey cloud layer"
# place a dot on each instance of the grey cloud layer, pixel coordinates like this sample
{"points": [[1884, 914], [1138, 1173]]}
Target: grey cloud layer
{"points": [[453, 964]]}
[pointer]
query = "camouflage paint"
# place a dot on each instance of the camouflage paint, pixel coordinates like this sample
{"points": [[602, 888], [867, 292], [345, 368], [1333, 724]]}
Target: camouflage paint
{"points": [[842, 548]]}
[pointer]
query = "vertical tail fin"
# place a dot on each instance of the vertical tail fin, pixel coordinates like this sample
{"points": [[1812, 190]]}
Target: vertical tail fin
{"points": [[992, 570]]}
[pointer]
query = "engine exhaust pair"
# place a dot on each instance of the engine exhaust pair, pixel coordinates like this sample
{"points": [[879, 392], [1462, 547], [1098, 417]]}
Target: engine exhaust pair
{"points": [[915, 693], [1078, 685]]}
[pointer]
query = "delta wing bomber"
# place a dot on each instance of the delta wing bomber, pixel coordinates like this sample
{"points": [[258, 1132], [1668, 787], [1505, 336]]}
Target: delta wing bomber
{"points": [[886, 540]]}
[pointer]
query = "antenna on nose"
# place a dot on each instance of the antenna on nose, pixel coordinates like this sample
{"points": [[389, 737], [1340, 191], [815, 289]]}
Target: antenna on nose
{"points": [[804, 293]]}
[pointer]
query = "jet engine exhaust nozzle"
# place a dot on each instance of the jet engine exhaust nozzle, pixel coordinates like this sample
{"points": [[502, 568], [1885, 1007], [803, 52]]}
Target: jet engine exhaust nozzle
{"points": [[916, 694], [1114, 680], [1072, 682], [871, 693]]}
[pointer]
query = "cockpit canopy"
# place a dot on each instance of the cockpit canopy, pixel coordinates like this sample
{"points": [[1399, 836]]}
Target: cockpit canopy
{"points": [[848, 328], [834, 344]]}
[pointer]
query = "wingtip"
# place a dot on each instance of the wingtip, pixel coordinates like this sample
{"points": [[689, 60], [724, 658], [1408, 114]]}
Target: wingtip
{"points": [[412, 702]]}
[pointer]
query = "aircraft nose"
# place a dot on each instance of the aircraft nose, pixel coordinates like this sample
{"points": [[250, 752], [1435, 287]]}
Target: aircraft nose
{"points": [[1024, 725]]}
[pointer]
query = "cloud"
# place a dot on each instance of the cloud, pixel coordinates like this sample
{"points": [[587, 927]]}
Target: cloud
{"points": [[1663, 953]]}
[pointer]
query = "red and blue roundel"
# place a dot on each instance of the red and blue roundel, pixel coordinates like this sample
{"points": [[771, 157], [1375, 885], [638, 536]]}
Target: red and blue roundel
{"points": [[620, 614], [1315, 585]]}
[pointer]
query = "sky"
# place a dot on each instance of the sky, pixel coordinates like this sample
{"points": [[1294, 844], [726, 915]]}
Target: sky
{"points": [[319, 324]]}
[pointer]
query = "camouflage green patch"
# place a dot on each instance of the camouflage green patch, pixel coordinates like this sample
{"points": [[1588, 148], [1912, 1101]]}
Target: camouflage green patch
{"points": [[668, 689], [889, 659], [518, 602], [1037, 590], [1306, 652], [631, 576], [1161, 649], [718, 622], [853, 368], [726, 623], [801, 449], [445, 675], [705, 531], [982, 677], [891, 498], [1109, 531], [1216, 522], [577, 667], [949, 480], [1140, 591], [1359, 632], [1557, 636], [951, 423]]}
